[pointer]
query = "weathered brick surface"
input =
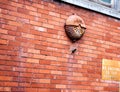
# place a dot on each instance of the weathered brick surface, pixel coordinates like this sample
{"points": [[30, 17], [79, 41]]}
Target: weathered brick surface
{"points": [[35, 52]]}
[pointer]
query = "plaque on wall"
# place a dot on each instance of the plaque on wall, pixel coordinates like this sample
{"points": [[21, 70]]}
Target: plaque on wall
{"points": [[110, 70]]}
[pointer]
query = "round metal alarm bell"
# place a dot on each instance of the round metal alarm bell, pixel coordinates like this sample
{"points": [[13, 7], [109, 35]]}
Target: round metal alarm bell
{"points": [[74, 27]]}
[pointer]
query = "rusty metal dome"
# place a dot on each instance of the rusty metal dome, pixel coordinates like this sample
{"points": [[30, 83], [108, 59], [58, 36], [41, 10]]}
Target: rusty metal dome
{"points": [[75, 20], [74, 27]]}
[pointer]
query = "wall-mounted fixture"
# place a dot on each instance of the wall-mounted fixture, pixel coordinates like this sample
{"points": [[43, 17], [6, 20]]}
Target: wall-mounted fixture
{"points": [[74, 27]]}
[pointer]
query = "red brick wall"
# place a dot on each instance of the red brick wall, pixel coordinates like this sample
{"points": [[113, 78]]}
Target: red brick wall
{"points": [[35, 52]]}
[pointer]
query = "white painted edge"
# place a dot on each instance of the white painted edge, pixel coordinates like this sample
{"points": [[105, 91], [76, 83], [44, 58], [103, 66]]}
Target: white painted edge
{"points": [[95, 7]]}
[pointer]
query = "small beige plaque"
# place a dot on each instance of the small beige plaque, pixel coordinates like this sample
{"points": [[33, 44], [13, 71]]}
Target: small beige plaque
{"points": [[110, 70]]}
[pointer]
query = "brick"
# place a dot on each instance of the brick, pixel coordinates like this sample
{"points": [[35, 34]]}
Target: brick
{"points": [[48, 25], [38, 6], [18, 69], [32, 60], [31, 8], [8, 7], [21, 15], [24, 85], [53, 22], [3, 41], [43, 20], [52, 5], [24, 44], [62, 42], [8, 37], [4, 11], [60, 86], [54, 14], [35, 23], [41, 80], [50, 58], [7, 88], [21, 89], [8, 73], [44, 90], [59, 81], [45, 16], [16, 4], [58, 19], [77, 74], [62, 59], [56, 27], [14, 23], [3, 31], [45, 71], [1, 88], [63, 16], [22, 10], [43, 11], [30, 89], [5, 78], [56, 72], [9, 27], [35, 14], [52, 40], [26, 74], [11, 84], [41, 29], [27, 35], [46, 53], [23, 20], [99, 88], [8, 17], [34, 51], [4, 47], [48, 7]]}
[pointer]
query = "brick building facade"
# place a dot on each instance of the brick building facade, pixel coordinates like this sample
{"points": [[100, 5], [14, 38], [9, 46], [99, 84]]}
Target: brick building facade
{"points": [[35, 53]]}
